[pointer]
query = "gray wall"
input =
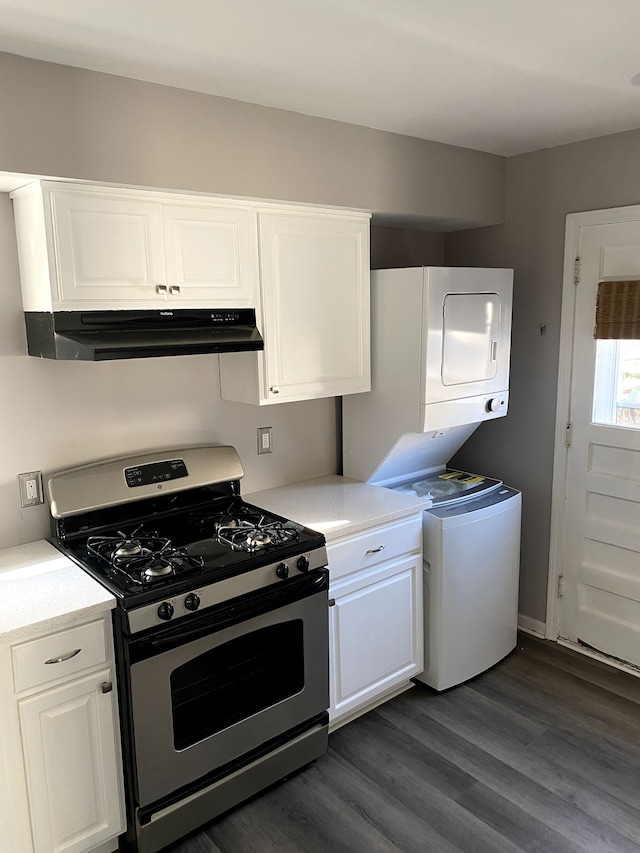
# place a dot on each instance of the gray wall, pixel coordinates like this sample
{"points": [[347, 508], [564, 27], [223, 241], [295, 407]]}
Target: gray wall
{"points": [[69, 123], [72, 123], [399, 247], [542, 188]]}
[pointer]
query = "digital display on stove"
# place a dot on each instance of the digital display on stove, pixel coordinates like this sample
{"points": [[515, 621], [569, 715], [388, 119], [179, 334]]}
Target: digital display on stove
{"points": [[155, 472]]}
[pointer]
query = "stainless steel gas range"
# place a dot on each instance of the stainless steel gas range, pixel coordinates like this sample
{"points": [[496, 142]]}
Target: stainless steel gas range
{"points": [[221, 630]]}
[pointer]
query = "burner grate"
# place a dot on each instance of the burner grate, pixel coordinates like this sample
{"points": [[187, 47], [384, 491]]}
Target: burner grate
{"points": [[251, 534], [142, 557]]}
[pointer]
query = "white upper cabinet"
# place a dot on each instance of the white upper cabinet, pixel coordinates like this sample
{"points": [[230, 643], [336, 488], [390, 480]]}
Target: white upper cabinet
{"points": [[304, 270], [314, 311], [210, 255], [107, 250], [94, 248]]}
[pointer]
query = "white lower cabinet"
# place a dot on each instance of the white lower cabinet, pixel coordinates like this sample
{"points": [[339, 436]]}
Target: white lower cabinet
{"points": [[376, 619], [69, 749], [66, 774]]}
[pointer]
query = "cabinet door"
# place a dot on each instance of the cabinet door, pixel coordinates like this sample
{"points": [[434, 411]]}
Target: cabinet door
{"points": [[315, 290], [209, 255], [69, 745], [375, 634], [109, 250]]}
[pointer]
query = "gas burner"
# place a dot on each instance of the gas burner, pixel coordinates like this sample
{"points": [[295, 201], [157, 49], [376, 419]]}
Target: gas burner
{"points": [[117, 550], [226, 521], [142, 557], [158, 568], [128, 548], [170, 562], [258, 539], [246, 534]]}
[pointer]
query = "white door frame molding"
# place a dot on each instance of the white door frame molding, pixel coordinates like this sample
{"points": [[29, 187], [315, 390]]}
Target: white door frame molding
{"points": [[575, 221]]}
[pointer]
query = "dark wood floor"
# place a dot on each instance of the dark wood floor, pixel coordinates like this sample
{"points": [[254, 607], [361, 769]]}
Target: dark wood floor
{"points": [[541, 754]]}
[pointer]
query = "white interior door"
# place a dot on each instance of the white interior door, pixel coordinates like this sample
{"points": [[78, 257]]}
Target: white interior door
{"points": [[599, 604]]}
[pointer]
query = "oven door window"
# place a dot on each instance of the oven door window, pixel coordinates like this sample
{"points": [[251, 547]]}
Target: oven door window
{"points": [[236, 680]]}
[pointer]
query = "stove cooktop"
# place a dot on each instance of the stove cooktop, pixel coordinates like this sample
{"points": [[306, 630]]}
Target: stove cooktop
{"points": [[142, 560], [154, 526]]}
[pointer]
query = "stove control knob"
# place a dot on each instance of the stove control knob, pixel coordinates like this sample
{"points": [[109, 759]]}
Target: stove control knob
{"points": [[192, 601], [282, 571], [165, 611], [493, 405], [302, 564]]}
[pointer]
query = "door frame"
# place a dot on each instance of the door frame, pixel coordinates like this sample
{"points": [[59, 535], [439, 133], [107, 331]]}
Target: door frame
{"points": [[570, 279]]}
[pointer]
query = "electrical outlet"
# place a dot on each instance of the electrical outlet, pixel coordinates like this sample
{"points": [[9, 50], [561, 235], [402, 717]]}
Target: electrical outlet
{"points": [[265, 444], [30, 485]]}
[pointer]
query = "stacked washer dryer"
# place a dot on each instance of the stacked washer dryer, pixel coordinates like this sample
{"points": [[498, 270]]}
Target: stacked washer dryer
{"points": [[440, 367]]}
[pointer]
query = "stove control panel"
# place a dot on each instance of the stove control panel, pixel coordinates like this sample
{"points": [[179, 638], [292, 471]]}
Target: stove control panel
{"points": [[185, 604], [155, 472]]}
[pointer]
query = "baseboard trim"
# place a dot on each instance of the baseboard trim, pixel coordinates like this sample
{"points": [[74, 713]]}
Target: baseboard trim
{"points": [[616, 663], [532, 626], [379, 700]]}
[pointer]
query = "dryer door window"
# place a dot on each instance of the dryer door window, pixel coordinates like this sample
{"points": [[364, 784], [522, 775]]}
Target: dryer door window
{"points": [[470, 335]]}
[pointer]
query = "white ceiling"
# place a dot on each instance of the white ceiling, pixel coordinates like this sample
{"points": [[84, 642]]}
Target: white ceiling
{"points": [[504, 76]]}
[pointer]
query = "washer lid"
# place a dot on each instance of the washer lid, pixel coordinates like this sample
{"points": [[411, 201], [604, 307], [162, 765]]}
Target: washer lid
{"points": [[417, 454], [449, 486]]}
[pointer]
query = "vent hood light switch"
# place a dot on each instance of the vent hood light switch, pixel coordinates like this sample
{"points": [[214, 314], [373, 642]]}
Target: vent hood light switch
{"points": [[30, 485]]}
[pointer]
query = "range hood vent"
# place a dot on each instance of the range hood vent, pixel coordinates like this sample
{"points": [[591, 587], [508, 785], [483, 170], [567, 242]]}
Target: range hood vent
{"points": [[108, 335]]}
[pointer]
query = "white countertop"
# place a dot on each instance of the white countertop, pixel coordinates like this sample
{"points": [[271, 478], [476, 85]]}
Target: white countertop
{"points": [[337, 506], [41, 589]]}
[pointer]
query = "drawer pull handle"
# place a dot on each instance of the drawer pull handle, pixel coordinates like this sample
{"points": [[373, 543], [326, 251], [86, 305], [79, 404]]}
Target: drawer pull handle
{"points": [[375, 550], [174, 290], [332, 602], [161, 289], [62, 658], [106, 687]]}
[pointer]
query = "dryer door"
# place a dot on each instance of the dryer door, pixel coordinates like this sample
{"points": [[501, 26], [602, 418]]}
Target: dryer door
{"points": [[470, 335], [467, 323]]}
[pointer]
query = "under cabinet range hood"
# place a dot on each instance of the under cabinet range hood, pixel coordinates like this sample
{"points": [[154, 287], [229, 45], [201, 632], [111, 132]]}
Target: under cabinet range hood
{"points": [[108, 335]]}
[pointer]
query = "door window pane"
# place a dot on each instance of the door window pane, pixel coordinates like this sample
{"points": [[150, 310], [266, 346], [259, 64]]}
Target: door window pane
{"points": [[616, 398]]}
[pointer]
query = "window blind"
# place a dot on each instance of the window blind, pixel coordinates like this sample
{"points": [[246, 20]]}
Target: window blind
{"points": [[618, 310]]}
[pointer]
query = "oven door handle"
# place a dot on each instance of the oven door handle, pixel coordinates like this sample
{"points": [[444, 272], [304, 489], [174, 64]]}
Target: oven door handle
{"points": [[237, 610]]}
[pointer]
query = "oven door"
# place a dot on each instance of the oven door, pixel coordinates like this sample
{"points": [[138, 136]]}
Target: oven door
{"points": [[209, 690]]}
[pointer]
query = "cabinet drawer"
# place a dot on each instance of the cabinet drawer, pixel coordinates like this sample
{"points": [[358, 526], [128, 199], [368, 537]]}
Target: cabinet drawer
{"points": [[380, 543], [58, 655]]}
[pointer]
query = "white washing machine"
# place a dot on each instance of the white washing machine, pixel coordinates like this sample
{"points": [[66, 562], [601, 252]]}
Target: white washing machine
{"points": [[440, 347], [471, 561]]}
